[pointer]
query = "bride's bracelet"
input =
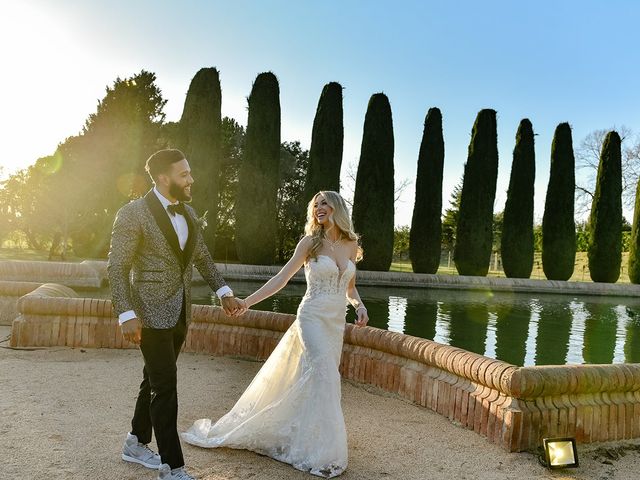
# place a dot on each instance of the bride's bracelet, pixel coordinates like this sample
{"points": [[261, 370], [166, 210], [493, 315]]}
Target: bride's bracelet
{"points": [[361, 307]]}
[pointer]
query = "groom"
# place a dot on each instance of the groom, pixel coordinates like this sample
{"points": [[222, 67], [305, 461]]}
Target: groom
{"points": [[154, 244]]}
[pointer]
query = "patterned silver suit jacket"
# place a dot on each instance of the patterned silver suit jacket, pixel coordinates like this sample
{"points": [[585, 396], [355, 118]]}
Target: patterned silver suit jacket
{"points": [[148, 272]]}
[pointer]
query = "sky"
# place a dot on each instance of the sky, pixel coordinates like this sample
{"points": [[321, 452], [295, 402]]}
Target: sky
{"points": [[549, 61]]}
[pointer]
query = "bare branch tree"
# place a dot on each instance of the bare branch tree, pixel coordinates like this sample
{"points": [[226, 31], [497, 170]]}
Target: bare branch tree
{"points": [[404, 183], [349, 187], [588, 159]]}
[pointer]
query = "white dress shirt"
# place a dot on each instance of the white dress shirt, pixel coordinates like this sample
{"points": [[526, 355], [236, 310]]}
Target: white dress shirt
{"points": [[178, 221], [182, 231]]}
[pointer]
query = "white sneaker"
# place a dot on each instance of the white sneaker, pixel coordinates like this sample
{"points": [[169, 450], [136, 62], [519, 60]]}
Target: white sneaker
{"points": [[165, 473], [136, 452]]}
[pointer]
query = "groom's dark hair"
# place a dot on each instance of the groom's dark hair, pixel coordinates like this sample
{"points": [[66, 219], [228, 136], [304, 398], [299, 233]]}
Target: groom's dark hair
{"points": [[160, 161]]}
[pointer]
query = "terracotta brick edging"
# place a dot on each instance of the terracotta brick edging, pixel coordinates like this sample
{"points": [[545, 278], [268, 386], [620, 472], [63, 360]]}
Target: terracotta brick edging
{"points": [[514, 407]]}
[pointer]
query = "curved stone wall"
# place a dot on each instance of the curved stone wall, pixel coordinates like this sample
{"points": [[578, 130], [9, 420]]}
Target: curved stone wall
{"points": [[93, 274], [514, 407], [449, 282], [87, 274]]}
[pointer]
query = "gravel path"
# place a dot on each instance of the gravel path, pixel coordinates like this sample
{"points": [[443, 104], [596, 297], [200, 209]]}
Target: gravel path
{"points": [[65, 413]]}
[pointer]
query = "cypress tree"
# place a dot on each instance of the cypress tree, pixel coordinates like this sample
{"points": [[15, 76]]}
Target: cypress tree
{"points": [[374, 192], [327, 139], [256, 214], [634, 247], [474, 233], [199, 137], [558, 224], [426, 224], [517, 227], [605, 221]]}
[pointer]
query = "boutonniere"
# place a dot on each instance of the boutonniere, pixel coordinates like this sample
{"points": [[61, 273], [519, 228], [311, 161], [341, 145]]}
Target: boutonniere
{"points": [[202, 221]]}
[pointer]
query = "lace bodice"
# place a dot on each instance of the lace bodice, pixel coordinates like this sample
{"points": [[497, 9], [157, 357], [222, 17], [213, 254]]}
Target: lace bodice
{"points": [[325, 278]]}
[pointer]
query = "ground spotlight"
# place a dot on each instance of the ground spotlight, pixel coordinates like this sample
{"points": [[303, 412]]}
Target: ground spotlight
{"points": [[559, 453]]}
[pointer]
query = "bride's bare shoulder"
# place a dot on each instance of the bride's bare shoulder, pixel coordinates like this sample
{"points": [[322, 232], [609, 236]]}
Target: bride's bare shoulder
{"points": [[354, 250], [306, 241], [305, 244]]}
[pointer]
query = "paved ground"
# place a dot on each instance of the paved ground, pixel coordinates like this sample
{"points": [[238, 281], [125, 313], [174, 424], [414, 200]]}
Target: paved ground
{"points": [[65, 412]]}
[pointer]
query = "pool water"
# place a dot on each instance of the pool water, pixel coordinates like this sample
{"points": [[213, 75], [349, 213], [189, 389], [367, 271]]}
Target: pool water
{"points": [[522, 329]]}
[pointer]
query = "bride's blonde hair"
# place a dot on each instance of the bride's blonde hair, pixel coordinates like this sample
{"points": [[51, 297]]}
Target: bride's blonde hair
{"points": [[341, 221]]}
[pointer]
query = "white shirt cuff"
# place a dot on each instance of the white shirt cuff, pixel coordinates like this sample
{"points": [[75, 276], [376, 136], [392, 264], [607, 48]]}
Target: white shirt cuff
{"points": [[126, 316], [223, 290]]}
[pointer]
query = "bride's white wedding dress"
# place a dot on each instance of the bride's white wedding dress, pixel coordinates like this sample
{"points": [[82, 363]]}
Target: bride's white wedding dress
{"points": [[291, 410]]}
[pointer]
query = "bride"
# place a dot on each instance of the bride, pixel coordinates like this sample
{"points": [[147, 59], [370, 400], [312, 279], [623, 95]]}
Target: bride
{"points": [[291, 410]]}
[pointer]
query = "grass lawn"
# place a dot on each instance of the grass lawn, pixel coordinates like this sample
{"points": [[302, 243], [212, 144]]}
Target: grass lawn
{"points": [[580, 272], [30, 254]]}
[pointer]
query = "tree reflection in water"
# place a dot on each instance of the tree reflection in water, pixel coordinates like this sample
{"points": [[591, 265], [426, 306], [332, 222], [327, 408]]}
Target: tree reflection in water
{"points": [[512, 331], [554, 331], [632, 337], [561, 327], [599, 333], [468, 324]]}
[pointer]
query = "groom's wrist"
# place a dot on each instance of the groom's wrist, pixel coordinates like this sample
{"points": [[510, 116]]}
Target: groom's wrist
{"points": [[126, 316], [224, 292]]}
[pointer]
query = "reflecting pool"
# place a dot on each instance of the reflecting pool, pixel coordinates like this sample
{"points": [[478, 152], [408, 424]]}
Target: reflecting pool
{"points": [[522, 329]]}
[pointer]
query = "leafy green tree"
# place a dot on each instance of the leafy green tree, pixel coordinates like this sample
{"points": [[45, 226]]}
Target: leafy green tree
{"points": [[5, 221], [450, 218], [582, 236], [426, 226], [256, 201], [199, 138], [497, 227], [517, 233], [537, 238], [115, 142], [626, 241], [373, 208], [605, 221], [474, 235], [626, 235], [232, 150], [327, 139], [401, 241], [20, 198], [558, 224], [40, 205], [292, 211]]}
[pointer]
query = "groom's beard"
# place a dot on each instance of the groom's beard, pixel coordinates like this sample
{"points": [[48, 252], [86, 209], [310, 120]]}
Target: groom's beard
{"points": [[179, 193]]}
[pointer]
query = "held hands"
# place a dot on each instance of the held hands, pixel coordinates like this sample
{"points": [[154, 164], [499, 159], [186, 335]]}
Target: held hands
{"points": [[233, 306], [363, 318], [132, 330]]}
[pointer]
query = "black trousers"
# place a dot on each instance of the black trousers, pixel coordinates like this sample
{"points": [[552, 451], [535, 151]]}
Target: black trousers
{"points": [[157, 403]]}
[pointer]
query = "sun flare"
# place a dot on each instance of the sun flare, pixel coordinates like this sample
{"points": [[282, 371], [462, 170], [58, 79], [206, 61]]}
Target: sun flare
{"points": [[36, 95]]}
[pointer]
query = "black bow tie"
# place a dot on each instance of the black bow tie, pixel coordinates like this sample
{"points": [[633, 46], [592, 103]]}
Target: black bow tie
{"points": [[176, 208]]}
